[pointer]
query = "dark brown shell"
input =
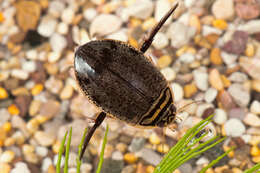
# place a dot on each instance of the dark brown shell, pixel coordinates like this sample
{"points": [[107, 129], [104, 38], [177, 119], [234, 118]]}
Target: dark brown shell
{"points": [[118, 78]]}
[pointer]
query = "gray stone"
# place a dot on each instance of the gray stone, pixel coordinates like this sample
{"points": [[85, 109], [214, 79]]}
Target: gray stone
{"points": [[150, 156], [239, 94], [136, 144], [112, 166]]}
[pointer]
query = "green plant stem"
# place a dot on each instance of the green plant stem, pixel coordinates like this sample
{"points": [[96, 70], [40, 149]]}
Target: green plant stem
{"points": [[58, 165], [101, 159], [80, 150], [253, 169], [66, 165]]}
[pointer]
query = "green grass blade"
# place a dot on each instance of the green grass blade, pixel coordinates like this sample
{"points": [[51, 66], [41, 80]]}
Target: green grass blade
{"points": [[58, 165], [255, 168], [101, 159], [177, 151], [80, 149], [215, 161], [66, 165]]}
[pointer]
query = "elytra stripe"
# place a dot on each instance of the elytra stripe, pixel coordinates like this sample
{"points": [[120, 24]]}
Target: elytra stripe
{"points": [[153, 112], [162, 112]]}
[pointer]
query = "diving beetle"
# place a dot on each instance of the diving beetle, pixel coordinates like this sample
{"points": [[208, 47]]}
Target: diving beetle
{"points": [[124, 83]]}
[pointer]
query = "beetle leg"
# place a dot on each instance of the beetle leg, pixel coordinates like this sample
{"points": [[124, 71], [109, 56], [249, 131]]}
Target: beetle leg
{"points": [[98, 121], [147, 42]]}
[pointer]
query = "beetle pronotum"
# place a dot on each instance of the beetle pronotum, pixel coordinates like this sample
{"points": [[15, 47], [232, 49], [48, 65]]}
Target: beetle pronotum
{"points": [[124, 83]]}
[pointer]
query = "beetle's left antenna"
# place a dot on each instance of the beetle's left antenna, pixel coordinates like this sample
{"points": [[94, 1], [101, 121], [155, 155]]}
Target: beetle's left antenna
{"points": [[98, 121], [147, 43]]}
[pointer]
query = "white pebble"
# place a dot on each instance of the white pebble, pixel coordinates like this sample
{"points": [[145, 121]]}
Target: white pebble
{"points": [[41, 151], [63, 28], [160, 41], [105, 24], [117, 155], [168, 73], [120, 35], [234, 127], [72, 159], [20, 167], [202, 161], [255, 107], [252, 120], [210, 95], [46, 164], [72, 170], [67, 15], [20, 74], [31, 54], [220, 116], [201, 80], [29, 66], [89, 14], [86, 167], [202, 107], [187, 58], [47, 26], [58, 42], [207, 30], [56, 7], [228, 58], [54, 57], [177, 92], [55, 160], [161, 7], [238, 77]]}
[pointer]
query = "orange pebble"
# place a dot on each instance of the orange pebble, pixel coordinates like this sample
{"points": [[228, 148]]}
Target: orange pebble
{"points": [[2, 18], [37, 89], [13, 110], [3, 93], [220, 24], [7, 127]]}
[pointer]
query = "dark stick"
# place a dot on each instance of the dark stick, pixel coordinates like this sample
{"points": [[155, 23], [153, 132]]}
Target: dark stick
{"points": [[147, 43], [98, 121]]}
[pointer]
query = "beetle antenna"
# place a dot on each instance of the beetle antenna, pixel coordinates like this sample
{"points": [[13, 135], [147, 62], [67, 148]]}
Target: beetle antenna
{"points": [[188, 104], [98, 121], [147, 42]]}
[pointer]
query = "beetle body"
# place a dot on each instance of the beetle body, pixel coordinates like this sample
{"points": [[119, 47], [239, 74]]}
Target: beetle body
{"points": [[124, 83], [120, 80]]}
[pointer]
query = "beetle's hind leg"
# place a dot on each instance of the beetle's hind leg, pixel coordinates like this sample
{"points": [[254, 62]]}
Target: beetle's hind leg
{"points": [[98, 122], [147, 42]]}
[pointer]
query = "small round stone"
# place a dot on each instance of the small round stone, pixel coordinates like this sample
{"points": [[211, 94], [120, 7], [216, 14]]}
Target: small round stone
{"points": [[41, 151], [163, 148], [89, 14], [201, 80], [3, 93], [117, 155], [255, 107], [58, 42], [66, 92], [215, 79], [63, 28], [190, 90], [47, 26], [67, 15], [220, 116], [7, 156], [44, 139], [210, 95], [215, 56], [234, 127], [130, 158], [168, 73], [252, 120], [154, 139], [164, 61], [160, 41], [37, 89], [177, 91]]}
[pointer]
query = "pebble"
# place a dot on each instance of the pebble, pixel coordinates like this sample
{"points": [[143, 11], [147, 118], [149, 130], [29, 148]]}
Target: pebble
{"points": [[20, 74], [47, 26], [67, 15], [220, 24], [50, 108], [7, 156], [238, 77], [141, 9], [163, 148], [160, 41], [34, 107], [117, 155], [27, 10], [44, 139], [5, 168], [29, 66], [161, 6], [180, 34], [228, 58], [177, 92], [251, 27], [223, 9], [150, 156], [89, 14], [208, 30], [215, 56], [105, 24], [121, 147], [220, 116], [201, 80], [66, 92], [251, 66], [239, 94], [154, 139], [202, 107], [56, 7], [136, 144], [247, 11], [130, 158], [255, 107], [41, 151], [168, 73], [20, 167], [53, 57], [119, 35], [187, 58], [252, 120], [164, 61], [238, 43], [210, 95], [215, 79], [234, 127], [86, 168], [5, 116], [58, 42], [129, 169], [256, 85], [54, 85], [190, 90], [3, 93], [46, 164]]}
